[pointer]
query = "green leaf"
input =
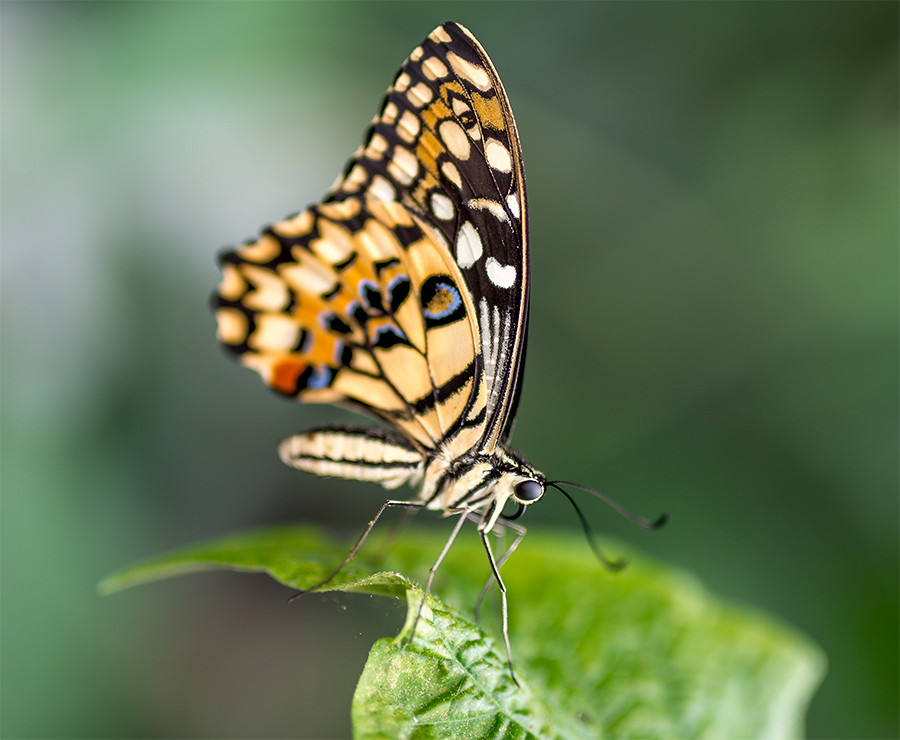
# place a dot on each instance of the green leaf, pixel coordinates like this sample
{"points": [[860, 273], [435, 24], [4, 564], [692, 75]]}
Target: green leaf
{"points": [[644, 653], [298, 557]]}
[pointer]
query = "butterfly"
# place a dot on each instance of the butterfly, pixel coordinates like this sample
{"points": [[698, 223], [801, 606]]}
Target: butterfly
{"points": [[404, 294]]}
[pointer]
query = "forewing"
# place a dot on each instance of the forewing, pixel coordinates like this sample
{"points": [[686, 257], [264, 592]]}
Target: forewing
{"points": [[445, 145]]}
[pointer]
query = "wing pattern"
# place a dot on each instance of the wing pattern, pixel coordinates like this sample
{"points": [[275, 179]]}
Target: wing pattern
{"points": [[405, 293]]}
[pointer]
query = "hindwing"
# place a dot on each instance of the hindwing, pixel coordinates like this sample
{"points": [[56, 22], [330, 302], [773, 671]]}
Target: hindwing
{"points": [[405, 292]]}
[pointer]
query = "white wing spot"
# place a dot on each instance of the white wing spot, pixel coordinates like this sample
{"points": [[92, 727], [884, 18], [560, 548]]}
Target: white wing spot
{"points": [[503, 276], [434, 68], [402, 83], [460, 107], [455, 139], [232, 326], [390, 113], [377, 147], [311, 276], [420, 95], [341, 210], [233, 284], [404, 166], [442, 206], [334, 243], [470, 72], [416, 54], [451, 173], [408, 127], [270, 293], [355, 179], [497, 155], [299, 225], [468, 246], [439, 35], [491, 206], [382, 190], [274, 333], [513, 202], [264, 249]]}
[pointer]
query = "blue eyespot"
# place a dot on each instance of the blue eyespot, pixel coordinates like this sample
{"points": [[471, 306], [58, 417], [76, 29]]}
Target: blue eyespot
{"points": [[441, 301], [320, 378], [444, 302]]}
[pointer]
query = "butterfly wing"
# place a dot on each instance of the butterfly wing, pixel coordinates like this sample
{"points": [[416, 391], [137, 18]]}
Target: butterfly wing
{"points": [[353, 303], [406, 292], [445, 144]]}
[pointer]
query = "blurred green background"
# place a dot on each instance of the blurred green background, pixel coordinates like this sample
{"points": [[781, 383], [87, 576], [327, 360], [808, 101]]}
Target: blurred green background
{"points": [[714, 218]]}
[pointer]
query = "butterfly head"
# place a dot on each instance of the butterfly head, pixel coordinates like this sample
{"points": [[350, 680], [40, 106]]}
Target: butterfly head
{"points": [[519, 484], [522, 492]]}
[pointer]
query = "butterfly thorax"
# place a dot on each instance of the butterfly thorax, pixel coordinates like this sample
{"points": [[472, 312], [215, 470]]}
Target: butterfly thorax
{"points": [[479, 482]]}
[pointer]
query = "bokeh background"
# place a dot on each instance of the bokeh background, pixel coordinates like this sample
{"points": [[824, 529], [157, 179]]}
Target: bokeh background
{"points": [[714, 217]]}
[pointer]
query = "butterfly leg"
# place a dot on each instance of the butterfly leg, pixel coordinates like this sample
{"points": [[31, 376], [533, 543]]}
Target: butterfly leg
{"points": [[394, 535], [355, 548], [520, 533], [496, 574], [453, 535]]}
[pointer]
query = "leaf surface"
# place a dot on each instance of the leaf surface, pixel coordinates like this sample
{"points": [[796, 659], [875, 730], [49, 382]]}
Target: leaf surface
{"points": [[643, 653]]}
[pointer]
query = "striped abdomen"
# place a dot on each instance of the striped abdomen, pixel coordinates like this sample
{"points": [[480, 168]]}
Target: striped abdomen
{"points": [[356, 453]]}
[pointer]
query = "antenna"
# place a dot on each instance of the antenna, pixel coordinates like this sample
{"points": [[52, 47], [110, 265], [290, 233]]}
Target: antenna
{"points": [[613, 565], [640, 521]]}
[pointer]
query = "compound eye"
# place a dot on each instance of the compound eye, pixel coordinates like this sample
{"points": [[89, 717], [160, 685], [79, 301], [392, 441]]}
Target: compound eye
{"points": [[529, 490]]}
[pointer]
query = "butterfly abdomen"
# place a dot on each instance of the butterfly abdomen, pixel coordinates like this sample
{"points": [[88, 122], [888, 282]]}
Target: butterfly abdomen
{"points": [[356, 453]]}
